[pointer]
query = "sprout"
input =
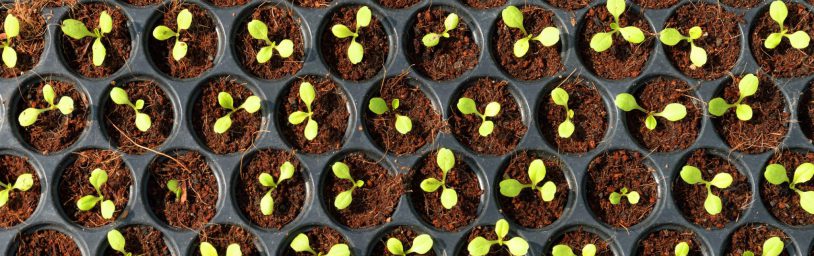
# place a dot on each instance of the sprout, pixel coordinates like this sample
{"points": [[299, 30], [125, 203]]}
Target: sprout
{"points": [[77, 30], [445, 161], [432, 39], [301, 244], [771, 247], [421, 245], [266, 180], [379, 106], [692, 175], [356, 51], [23, 183], [746, 87], [672, 112], [560, 97], [251, 105], [29, 115], [682, 249], [11, 27], [119, 96], [632, 196], [671, 37], [117, 242], [307, 95], [776, 175], [481, 246], [565, 250], [603, 40], [343, 199], [778, 12], [536, 172], [513, 18], [175, 187], [258, 30], [184, 21], [208, 249], [468, 106], [97, 178]]}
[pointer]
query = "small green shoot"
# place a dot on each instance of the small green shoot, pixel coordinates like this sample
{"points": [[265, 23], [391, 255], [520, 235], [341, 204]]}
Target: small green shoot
{"points": [[536, 172], [746, 87], [208, 249], [468, 106], [307, 95], [445, 160], [251, 105], [97, 178], [771, 247], [301, 244], [116, 241], [671, 37], [356, 51], [23, 183], [162, 33], [77, 30], [432, 39], [379, 106], [632, 196], [421, 245], [565, 250], [343, 199], [604, 40], [266, 180], [776, 175], [119, 96], [692, 175], [65, 106], [681, 249], [480, 246], [174, 186], [566, 128], [258, 30], [778, 12], [513, 18], [672, 112], [11, 26]]}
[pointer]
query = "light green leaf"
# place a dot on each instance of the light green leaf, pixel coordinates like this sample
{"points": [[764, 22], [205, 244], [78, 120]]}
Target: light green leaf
{"points": [[343, 199], [226, 101], [803, 173], [339, 250], [49, 94], [479, 246], [184, 19], [445, 159], [87, 202], [265, 54], [633, 197], [301, 243], [307, 93], [536, 171], [718, 106], [799, 40], [342, 31], [9, 57], [778, 12], [566, 129], [451, 22], [510, 187], [748, 253], [449, 198], [233, 250], [116, 240], [521, 47], [776, 174], [626, 102], [562, 250], [430, 185], [267, 204], [713, 204], [589, 250], [773, 247], [548, 191], [431, 39], [682, 249], [673, 112], [285, 48], [421, 244], [252, 104], [773, 40], [513, 18], [403, 124], [650, 122], [807, 201], [11, 26], [311, 129], [258, 30], [3, 197], [172, 186], [616, 7], [356, 52], [286, 171], [75, 29], [98, 177], [266, 180], [179, 50], [208, 250], [377, 105], [517, 246], [698, 56], [341, 170], [24, 182], [297, 117], [486, 128], [65, 105], [119, 96], [744, 112], [632, 34], [363, 17], [691, 175], [559, 96], [395, 247], [105, 22], [721, 180], [139, 105], [28, 117], [748, 85], [601, 41], [108, 208], [163, 33], [549, 36], [223, 124], [492, 109], [143, 122], [467, 106]]}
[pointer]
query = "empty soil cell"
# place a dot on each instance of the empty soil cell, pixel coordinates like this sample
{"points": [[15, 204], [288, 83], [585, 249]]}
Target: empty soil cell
{"points": [[374, 202], [655, 4], [590, 116], [768, 125], [141, 240], [402, 233], [721, 39], [198, 185], [53, 131], [30, 43], [484, 4], [282, 24], [335, 50], [741, 3], [690, 199], [74, 184], [539, 61], [20, 204], [77, 53], [784, 60], [46, 242], [330, 111], [452, 57], [142, 3], [623, 59], [569, 4], [663, 242], [782, 202], [806, 111], [668, 136], [461, 178], [397, 4], [509, 126], [578, 239], [206, 111], [528, 209], [223, 235], [750, 237], [227, 3], [487, 232], [289, 195], [201, 39], [322, 239], [413, 103], [120, 120], [312, 3], [612, 171]]}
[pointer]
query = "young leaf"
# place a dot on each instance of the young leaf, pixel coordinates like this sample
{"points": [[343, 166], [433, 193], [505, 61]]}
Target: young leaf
{"points": [[24, 182], [341, 170], [258, 30], [449, 198], [344, 199], [28, 117], [445, 159], [803, 173], [286, 171], [510, 187], [562, 250], [208, 249], [307, 93], [108, 208], [548, 191], [467, 106], [549, 36], [252, 104], [421, 244], [75, 29], [773, 246], [615, 198], [536, 171], [691, 175], [430, 185], [451, 22], [395, 247], [267, 204], [233, 250], [670, 36], [3, 197], [223, 124], [339, 250], [492, 109], [713, 204], [98, 177], [589, 250], [9, 57], [778, 12], [65, 105], [179, 50], [143, 122], [285, 48], [377, 105], [356, 52], [11, 26], [601, 41], [626, 102], [87, 202], [566, 129], [513, 18], [363, 17], [403, 124], [479, 246], [116, 241], [119, 96], [301, 244], [743, 112], [559, 96], [721, 180], [673, 112], [799, 39], [226, 101], [105, 22], [632, 34], [807, 201], [718, 106], [184, 19], [698, 56], [342, 31], [163, 33], [616, 7], [521, 47], [748, 85], [486, 128], [776, 174], [311, 129], [517, 246], [682, 249]]}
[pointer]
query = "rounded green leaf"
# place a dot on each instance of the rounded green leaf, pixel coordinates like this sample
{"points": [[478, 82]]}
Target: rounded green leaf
{"points": [[559, 96], [748, 253], [674, 112], [744, 112], [510, 187], [451, 22], [108, 208], [566, 129], [11, 26], [718, 106], [713, 204], [803, 173], [513, 18], [430, 185], [339, 250], [143, 122], [363, 17], [721, 180], [501, 228], [179, 50], [395, 247], [258, 30], [775, 174], [48, 94], [626, 102], [395, 103], [467, 106], [116, 240], [341, 170], [632, 34], [9, 57], [267, 204], [105, 22], [521, 47], [799, 39], [285, 48], [650, 122], [445, 159], [589, 250], [356, 52], [297, 117], [223, 124], [615, 198], [486, 128], [208, 250], [696, 32], [492, 109], [87, 202], [748, 85], [403, 124], [119, 96], [562, 250], [548, 191], [431, 39], [98, 177], [633, 197], [773, 40], [75, 29], [341, 31], [65, 105], [517, 246], [233, 250], [449, 198], [549, 36], [778, 12], [3, 197], [252, 104], [698, 56], [807, 201], [24, 182], [28, 117], [311, 129], [421, 244], [286, 171], [184, 19], [307, 93], [616, 7], [225, 100], [266, 180], [670, 36], [163, 33], [264, 54], [99, 52], [691, 175], [172, 186], [536, 171], [139, 105], [773, 246], [682, 249], [601, 41], [343, 199], [377, 105], [301, 243]]}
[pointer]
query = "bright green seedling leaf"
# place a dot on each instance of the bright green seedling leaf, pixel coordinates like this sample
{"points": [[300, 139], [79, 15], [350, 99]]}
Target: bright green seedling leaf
{"points": [[672, 112], [513, 18], [480, 246], [747, 86], [671, 37], [208, 249], [174, 186], [77, 30], [379, 106], [565, 250], [344, 198], [225, 100], [566, 128], [682, 249], [798, 40], [97, 179], [307, 95], [692, 175], [303, 245], [604, 40], [163, 33], [445, 160], [776, 174], [266, 180], [119, 96], [421, 245], [23, 183], [450, 23], [773, 246], [11, 27], [616, 197], [117, 242], [29, 116], [536, 173], [356, 51], [468, 106], [258, 30]]}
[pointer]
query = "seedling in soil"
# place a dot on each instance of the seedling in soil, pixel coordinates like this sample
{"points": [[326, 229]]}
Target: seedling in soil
{"points": [[449, 197], [513, 18], [251, 105], [379, 106], [616, 197], [162, 33], [421, 245], [692, 175], [671, 37], [116, 241], [97, 178], [342, 171], [565, 250], [776, 175], [307, 95], [566, 128], [432, 39], [175, 187], [771, 247], [746, 87], [356, 51], [258, 30], [119, 96], [208, 249], [799, 40], [29, 115], [480, 246], [77, 30], [468, 106], [301, 244], [267, 203], [11, 26], [23, 183], [672, 112], [682, 249], [536, 172], [603, 40]]}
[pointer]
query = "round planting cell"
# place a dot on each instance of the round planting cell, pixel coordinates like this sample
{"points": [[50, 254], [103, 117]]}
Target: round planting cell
{"points": [[590, 116], [452, 55], [540, 61], [120, 120], [471, 113], [373, 39], [227, 99], [530, 208], [372, 203], [193, 203], [92, 181], [30, 43], [21, 201], [140, 240], [628, 177], [201, 39], [329, 113], [288, 195], [654, 95], [623, 59], [53, 130], [280, 24], [116, 43]]}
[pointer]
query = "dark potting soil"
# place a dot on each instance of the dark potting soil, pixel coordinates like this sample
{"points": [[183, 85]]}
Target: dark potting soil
{"points": [[142, 2], [509, 127], [335, 50], [222, 235], [20, 204], [623, 59], [141, 240], [663, 243], [30, 43], [120, 120], [198, 185], [282, 24], [413, 103], [721, 39], [487, 232], [428, 205], [539, 61], [784, 60], [654, 95], [330, 108], [373, 203], [46, 242], [690, 198], [402, 233], [612, 171], [569, 4], [528, 209], [806, 111], [312, 3], [741, 3], [782, 202], [201, 38], [74, 184], [751, 237], [228, 3], [452, 57], [484, 4], [322, 239], [768, 125], [206, 111], [577, 239], [655, 4], [397, 4], [53, 131], [78, 53], [53, 3], [289, 195], [590, 117]]}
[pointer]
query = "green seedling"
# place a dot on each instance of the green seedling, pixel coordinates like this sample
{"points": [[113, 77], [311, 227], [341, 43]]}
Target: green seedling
{"points": [[672, 112], [11, 26], [266, 180], [778, 12], [671, 37], [251, 105], [468, 106], [604, 40], [565, 250], [421, 245], [445, 160], [258, 30], [356, 51], [97, 178], [616, 197], [307, 95], [513, 18], [162, 33], [119, 96], [566, 128], [746, 87], [23, 183], [301, 244], [692, 175], [77, 30], [343, 199], [776, 175], [208, 249], [681, 249], [379, 106], [175, 187], [771, 247], [432, 39], [116, 241], [536, 172], [29, 115], [481, 246]]}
